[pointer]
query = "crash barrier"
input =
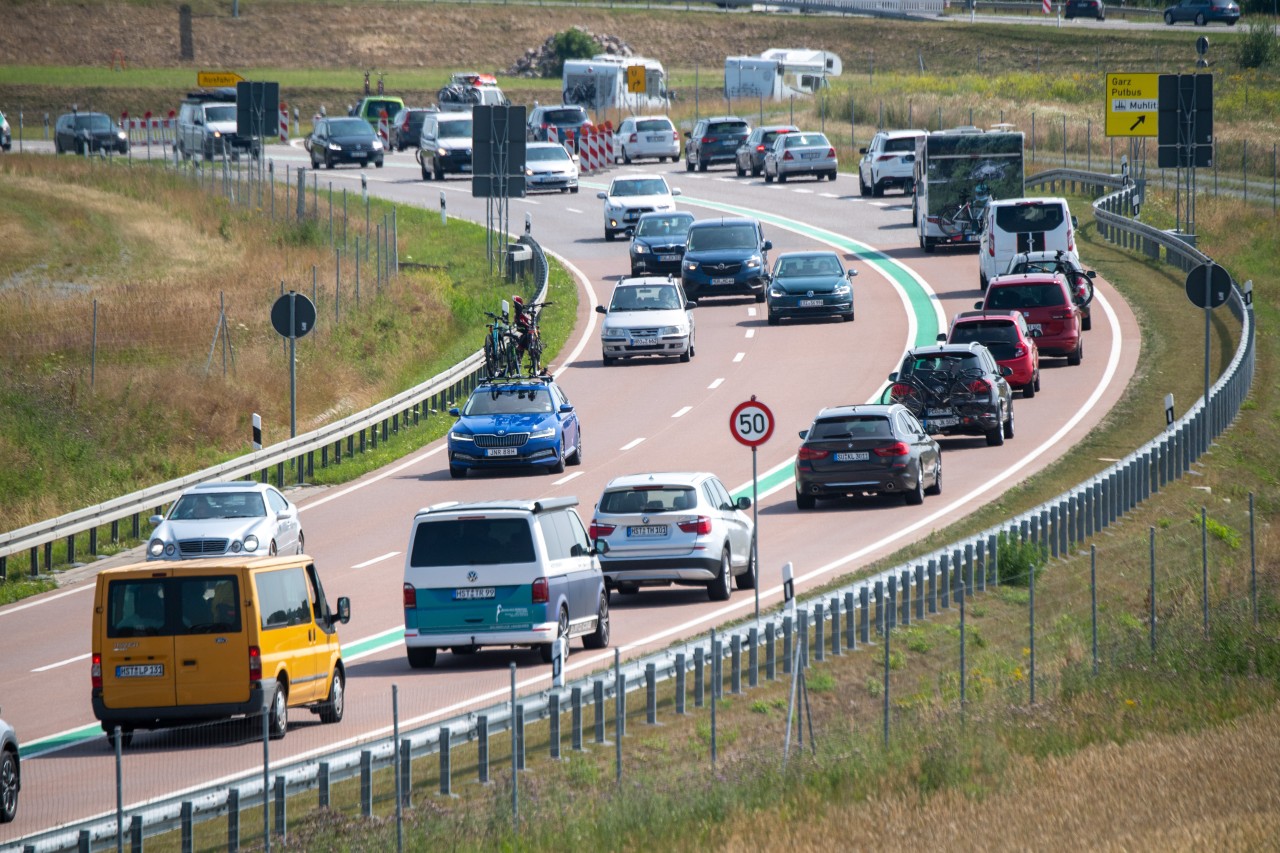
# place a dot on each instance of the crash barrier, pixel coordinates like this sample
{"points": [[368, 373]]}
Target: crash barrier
{"points": [[956, 572], [149, 130]]}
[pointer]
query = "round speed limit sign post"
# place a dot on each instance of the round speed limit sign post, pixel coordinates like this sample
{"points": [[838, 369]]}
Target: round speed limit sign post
{"points": [[752, 424]]}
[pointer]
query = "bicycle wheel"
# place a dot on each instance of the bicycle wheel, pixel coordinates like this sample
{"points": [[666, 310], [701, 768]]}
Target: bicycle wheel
{"points": [[511, 358], [490, 357], [535, 354]]}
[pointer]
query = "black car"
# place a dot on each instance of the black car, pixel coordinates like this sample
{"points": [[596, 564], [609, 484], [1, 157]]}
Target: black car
{"points": [[1201, 12], [714, 140], [552, 123], [869, 449], [750, 154], [808, 285], [726, 257], [344, 140], [657, 244], [955, 389], [81, 133], [405, 128], [1085, 9]]}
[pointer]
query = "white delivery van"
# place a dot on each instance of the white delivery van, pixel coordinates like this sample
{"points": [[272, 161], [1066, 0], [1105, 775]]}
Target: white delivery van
{"points": [[1018, 225]]}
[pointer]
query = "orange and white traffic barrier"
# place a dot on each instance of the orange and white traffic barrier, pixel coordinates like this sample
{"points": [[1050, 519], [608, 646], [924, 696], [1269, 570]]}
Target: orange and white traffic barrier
{"points": [[284, 122], [384, 128]]}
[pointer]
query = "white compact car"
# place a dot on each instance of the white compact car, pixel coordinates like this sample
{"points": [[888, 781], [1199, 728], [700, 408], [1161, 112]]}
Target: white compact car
{"points": [[674, 528], [219, 519], [549, 166], [646, 136], [647, 316], [631, 195], [889, 161]]}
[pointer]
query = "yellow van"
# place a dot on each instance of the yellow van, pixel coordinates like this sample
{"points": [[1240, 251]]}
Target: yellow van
{"points": [[176, 643]]}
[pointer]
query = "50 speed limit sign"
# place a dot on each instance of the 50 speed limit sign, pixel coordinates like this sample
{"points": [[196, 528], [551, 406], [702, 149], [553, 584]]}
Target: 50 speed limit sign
{"points": [[751, 423]]}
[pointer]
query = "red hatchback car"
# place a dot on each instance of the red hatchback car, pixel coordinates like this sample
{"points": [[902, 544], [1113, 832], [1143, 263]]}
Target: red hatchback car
{"points": [[1044, 299], [1005, 333]]}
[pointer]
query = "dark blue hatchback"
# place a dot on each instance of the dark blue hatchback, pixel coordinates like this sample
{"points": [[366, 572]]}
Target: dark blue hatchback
{"points": [[726, 257], [516, 423]]}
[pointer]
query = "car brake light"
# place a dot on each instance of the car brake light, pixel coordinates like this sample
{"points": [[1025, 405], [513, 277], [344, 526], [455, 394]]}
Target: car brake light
{"points": [[405, 126], [600, 531], [831, 152], [675, 136], [700, 525], [95, 672], [707, 140], [787, 156], [980, 386], [760, 148], [900, 390], [540, 591], [255, 664], [884, 157], [410, 596], [898, 448], [633, 137], [811, 453], [991, 246], [545, 125], [1019, 351]]}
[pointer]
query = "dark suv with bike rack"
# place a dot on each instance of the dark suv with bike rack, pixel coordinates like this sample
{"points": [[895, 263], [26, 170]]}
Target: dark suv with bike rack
{"points": [[955, 389]]}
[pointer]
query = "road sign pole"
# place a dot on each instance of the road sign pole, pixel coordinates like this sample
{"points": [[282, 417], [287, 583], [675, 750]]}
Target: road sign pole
{"points": [[755, 528], [1208, 309], [293, 367]]}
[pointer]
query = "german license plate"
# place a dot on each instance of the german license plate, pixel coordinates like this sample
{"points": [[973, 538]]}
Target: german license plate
{"points": [[644, 342], [465, 167], [473, 592], [810, 303], [728, 280], [858, 456], [359, 155], [667, 259], [809, 155], [642, 530], [938, 413], [657, 138], [500, 451], [1034, 327], [145, 670], [973, 238], [943, 422]]}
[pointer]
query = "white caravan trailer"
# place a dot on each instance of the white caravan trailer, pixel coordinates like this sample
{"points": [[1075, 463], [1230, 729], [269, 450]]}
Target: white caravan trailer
{"points": [[600, 83], [779, 73]]}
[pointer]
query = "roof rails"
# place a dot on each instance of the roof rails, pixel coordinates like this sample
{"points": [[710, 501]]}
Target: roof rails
{"points": [[524, 505]]}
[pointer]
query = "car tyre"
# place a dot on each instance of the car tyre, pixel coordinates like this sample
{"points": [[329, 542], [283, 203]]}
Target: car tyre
{"points": [[1168, 18], [328, 161], [995, 438], [607, 360], [576, 457], [688, 165], [1086, 324], [302, 543], [558, 467], [1029, 390], [848, 318], [782, 179], [686, 355], [334, 706], [126, 733], [1037, 381], [805, 501], [1008, 424], [747, 580], [599, 638], [755, 171], [742, 173], [722, 587], [877, 189], [278, 713], [702, 166], [457, 472], [420, 658], [862, 187], [831, 176], [936, 488], [608, 235], [8, 787], [774, 319], [439, 169], [626, 158], [1076, 356], [548, 650], [915, 497], [768, 179], [426, 173], [1200, 20], [628, 589]]}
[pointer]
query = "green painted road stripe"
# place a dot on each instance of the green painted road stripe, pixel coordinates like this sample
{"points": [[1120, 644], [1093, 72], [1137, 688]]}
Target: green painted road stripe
{"points": [[60, 741]]}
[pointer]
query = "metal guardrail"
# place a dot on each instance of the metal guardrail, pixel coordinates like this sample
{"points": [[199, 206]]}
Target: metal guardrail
{"points": [[408, 406], [962, 568]]}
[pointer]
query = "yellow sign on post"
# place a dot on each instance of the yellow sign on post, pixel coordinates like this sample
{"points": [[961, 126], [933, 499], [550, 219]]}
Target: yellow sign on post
{"points": [[635, 79], [1132, 104], [217, 79]]}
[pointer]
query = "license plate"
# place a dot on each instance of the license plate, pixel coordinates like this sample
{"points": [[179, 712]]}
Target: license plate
{"points": [[500, 451], [644, 342], [642, 530], [728, 280], [943, 422], [473, 592], [810, 303], [359, 155], [667, 259], [860, 456], [1034, 327], [465, 167], [939, 413], [972, 238], [147, 670], [809, 155], [656, 138]]}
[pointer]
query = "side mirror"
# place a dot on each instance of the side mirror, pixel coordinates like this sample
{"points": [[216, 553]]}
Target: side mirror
{"points": [[686, 134], [602, 195], [942, 337], [743, 502], [690, 305], [1090, 274], [978, 304], [862, 151], [601, 546], [893, 377], [155, 519], [344, 610], [1075, 223], [566, 408], [768, 244], [454, 411], [1006, 370], [852, 273], [676, 192], [600, 309], [804, 433], [1035, 333]]}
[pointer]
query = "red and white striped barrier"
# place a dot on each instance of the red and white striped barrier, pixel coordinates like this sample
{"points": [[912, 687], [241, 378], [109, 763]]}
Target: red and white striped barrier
{"points": [[384, 128], [148, 130], [284, 122]]}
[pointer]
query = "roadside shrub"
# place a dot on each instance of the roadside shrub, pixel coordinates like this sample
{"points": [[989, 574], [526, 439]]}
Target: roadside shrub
{"points": [[571, 44], [1018, 559], [1257, 48]]}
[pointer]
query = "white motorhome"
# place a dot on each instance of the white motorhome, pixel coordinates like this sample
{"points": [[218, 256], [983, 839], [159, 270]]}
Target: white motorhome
{"points": [[600, 83], [780, 73]]}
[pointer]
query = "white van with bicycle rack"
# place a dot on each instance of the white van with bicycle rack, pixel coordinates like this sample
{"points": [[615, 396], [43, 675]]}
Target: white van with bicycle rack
{"points": [[1017, 225], [515, 573]]}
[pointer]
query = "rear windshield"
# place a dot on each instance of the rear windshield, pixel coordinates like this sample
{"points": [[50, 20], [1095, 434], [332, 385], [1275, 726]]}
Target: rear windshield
{"points": [[153, 607], [661, 226], [902, 143], [661, 499], [1021, 218], [985, 331], [653, 124], [770, 135], [723, 127], [722, 237], [806, 140], [854, 426], [575, 116], [1043, 295], [472, 542]]}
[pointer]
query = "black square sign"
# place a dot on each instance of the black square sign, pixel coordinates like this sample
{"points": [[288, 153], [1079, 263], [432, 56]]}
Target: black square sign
{"points": [[1184, 123]]}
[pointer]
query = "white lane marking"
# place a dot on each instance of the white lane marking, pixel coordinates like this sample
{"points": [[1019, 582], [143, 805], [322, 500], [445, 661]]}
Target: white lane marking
{"points": [[573, 210], [50, 666], [716, 384], [727, 180], [46, 600], [367, 563], [631, 444], [739, 357], [829, 195], [751, 333], [803, 192], [566, 478], [751, 312], [528, 201], [878, 203], [683, 411]]}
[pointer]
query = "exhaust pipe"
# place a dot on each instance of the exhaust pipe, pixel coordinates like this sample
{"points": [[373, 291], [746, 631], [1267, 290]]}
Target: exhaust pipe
{"points": [[890, 486]]}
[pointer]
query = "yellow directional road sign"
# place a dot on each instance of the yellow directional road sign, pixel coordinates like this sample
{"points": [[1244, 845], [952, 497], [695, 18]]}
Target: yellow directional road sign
{"points": [[217, 79], [1132, 104], [635, 78]]}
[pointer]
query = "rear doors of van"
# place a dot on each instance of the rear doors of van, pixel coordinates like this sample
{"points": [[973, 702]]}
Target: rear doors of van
{"points": [[1021, 225]]}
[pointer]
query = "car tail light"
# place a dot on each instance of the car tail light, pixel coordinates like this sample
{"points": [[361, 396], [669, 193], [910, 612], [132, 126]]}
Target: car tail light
{"points": [[898, 448], [707, 140], [884, 157], [831, 152], [760, 148], [600, 531], [1019, 351], [255, 664], [410, 596], [405, 126], [545, 125], [700, 525], [633, 137], [991, 246], [980, 386], [811, 453], [787, 156], [95, 672], [900, 390], [675, 136], [541, 593]]}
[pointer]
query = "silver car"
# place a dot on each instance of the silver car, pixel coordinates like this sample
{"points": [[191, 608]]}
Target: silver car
{"points": [[549, 166], [674, 528], [217, 519], [10, 773], [803, 153], [647, 316]]}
